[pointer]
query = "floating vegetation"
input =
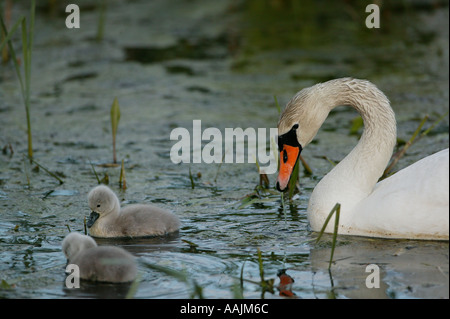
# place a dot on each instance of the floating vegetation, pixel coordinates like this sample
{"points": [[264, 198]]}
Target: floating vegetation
{"points": [[5, 285], [192, 246]]}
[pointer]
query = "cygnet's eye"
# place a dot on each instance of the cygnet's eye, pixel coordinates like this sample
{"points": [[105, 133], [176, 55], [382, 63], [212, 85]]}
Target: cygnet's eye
{"points": [[98, 205]]}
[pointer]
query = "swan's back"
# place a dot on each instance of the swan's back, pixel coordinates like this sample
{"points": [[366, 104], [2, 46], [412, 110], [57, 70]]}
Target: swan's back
{"points": [[413, 203]]}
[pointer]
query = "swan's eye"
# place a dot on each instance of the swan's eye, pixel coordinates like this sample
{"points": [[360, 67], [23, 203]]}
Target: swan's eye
{"points": [[285, 157]]}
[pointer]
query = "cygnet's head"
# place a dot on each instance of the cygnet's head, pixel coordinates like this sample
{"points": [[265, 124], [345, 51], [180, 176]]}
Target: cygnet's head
{"points": [[102, 201], [75, 243]]}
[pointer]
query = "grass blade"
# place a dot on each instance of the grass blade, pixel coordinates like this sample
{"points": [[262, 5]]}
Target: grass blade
{"points": [[407, 145], [335, 232], [336, 209], [133, 288], [46, 170], [326, 221], [306, 167], [95, 172], [411, 141], [260, 264], [293, 181], [277, 105], [115, 117], [9, 34], [122, 179], [27, 43], [191, 178], [101, 20]]}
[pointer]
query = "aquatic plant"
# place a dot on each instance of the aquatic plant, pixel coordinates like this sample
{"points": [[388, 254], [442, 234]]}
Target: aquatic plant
{"points": [[122, 179], [101, 20], [27, 44], [7, 19], [397, 156], [191, 178], [104, 180], [55, 176], [115, 117], [336, 210], [266, 284]]}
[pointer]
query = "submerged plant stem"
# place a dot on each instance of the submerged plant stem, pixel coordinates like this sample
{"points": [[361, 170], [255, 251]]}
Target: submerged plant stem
{"points": [[336, 209]]}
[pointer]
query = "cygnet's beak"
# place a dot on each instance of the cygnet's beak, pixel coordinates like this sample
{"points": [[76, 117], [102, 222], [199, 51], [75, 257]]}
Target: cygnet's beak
{"points": [[93, 216]]}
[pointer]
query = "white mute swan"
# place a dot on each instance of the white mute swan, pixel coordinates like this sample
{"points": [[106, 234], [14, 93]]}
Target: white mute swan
{"points": [[138, 220], [104, 264], [413, 203]]}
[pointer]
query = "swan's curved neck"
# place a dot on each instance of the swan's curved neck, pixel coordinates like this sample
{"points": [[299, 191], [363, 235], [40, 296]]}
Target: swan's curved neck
{"points": [[356, 175]]}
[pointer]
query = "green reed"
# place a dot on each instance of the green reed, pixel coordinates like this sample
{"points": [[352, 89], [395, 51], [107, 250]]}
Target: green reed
{"points": [[27, 45]]}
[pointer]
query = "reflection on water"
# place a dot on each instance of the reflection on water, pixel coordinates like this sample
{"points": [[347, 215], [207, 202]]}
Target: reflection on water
{"points": [[221, 62], [407, 268], [98, 290]]}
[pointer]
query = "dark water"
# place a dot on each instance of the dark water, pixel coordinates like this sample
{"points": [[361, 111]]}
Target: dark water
{"points": [[169, 63]]}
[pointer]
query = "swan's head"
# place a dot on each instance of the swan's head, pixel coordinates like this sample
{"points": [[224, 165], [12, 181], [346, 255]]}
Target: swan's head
{"points": [[298, 125], [75, 243], [102, 201]]}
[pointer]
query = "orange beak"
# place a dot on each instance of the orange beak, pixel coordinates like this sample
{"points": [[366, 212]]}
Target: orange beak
{"points": [[288, 158]]}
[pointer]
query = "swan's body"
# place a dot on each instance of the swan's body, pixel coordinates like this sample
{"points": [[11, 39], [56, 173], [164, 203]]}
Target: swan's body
{"points": [[109, 220], [103, 264], [413, 203]]}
